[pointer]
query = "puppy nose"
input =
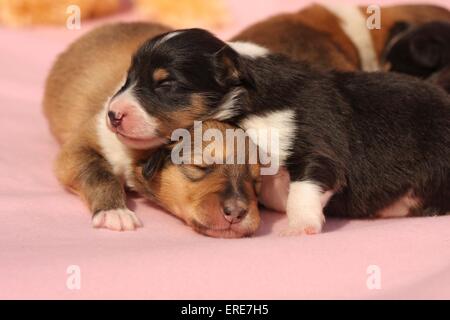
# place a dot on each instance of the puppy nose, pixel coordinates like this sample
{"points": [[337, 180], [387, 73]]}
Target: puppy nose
{"points": [[234, 210], [115, 118]]}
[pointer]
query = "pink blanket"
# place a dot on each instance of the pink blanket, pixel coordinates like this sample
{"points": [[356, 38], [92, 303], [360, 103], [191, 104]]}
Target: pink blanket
{"points": [[49, 250]]}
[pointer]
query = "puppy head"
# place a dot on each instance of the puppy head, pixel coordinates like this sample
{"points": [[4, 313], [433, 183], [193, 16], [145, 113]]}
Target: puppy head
{"points": [[217, 200], [418, 51], [174, 79]]}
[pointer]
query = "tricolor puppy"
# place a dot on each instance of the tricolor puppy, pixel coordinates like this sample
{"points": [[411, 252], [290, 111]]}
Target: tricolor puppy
{"points": [[101, 156], [211, 191], [357, 144], [422, 52], [337, 36]]}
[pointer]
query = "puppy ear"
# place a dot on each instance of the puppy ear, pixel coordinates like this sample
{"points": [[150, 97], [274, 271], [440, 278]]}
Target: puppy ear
{"points": [[426, 51], [230, 70], [398, 28], [397, 31], [155, 163]]}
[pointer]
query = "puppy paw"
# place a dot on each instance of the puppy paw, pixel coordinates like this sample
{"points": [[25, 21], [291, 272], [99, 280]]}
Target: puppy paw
{"points": [[116, 219], [308, 224]]}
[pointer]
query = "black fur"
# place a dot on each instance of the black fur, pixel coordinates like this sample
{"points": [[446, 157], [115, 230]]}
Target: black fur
{"points": [[190, 71], [156, 162], [371, 137], [423, 51]]}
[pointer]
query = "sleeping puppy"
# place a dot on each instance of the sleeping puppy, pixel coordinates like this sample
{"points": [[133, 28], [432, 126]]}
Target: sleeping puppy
{"points": [[422, 52], [218, 201], [213, 197], [368, 142], [337, 36]]}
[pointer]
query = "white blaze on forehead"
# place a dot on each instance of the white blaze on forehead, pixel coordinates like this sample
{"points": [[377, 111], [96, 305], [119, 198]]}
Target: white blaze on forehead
{"points": [[168, 36], [248, 49], [280, 122], [353, 23]]}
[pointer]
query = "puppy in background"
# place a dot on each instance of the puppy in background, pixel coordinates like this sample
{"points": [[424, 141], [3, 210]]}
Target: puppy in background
{"points": [[102, 154], [422, 51], [336, 36]]}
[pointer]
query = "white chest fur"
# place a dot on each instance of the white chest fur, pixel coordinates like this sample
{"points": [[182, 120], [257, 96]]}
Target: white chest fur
{"points": [[262, 127], [114, 151]]}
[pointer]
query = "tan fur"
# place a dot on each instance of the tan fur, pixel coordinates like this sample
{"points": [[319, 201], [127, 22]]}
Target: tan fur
{"points": [[198, 202], [32, 12], [78, 86], [312, 34], [185, 116], [160, 75]]}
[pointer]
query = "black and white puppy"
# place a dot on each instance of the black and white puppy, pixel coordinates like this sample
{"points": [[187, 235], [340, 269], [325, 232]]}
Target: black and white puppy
{"points": [[354, 144], [422, 51]]}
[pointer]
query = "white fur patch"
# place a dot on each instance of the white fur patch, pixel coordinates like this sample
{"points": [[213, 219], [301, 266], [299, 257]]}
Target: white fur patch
{"points": [[115, 152], [168, 36], [228, 108], [248, 49], [117, 220], [304, 208], [148, 124], [353, 23], [282, 122]]}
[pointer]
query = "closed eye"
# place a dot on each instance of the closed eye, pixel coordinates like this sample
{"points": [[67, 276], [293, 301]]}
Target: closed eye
{"points": [[195, 173], [166, 83]]}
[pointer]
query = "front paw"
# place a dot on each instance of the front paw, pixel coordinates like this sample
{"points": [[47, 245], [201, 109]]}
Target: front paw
{"points": [[116, 219]]}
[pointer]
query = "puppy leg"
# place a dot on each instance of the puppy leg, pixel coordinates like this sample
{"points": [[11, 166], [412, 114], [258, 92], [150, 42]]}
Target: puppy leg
{"points": [[305, 204], [313, 179], [87, 173]]}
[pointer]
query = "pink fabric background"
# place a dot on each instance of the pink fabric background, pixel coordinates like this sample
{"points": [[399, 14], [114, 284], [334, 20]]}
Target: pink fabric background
{"points": [[43, 229]]}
